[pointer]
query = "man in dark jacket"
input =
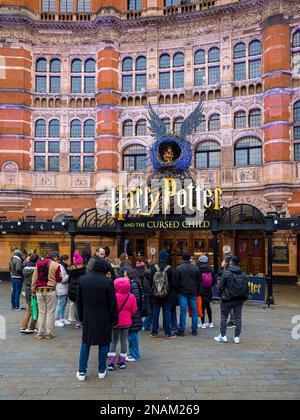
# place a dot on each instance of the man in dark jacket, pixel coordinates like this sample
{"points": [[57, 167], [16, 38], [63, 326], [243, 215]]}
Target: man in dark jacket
{"points": [[98, 311], [233, 289], [163, 302], [187, 284], [16, 274]]}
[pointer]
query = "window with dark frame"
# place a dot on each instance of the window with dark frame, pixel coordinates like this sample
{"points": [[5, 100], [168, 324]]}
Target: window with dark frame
{"points": [[248, 151], [208, 155], [135, 158]]}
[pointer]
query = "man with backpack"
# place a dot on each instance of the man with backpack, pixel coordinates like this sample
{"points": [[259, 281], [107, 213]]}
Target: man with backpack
{"points": [[187, 278], [234, 291], [44, 280], [162, 282], [207, 282]]}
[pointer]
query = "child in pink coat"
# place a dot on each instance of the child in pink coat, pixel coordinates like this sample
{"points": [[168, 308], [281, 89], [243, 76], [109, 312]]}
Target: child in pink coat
{"points": [[127, 306]]}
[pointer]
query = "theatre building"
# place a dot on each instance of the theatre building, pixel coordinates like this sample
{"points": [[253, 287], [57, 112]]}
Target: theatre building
{"points": [[76, 79]]}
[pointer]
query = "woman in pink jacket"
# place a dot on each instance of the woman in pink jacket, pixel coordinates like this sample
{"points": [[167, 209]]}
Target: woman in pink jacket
{"points": [[127, 308]]}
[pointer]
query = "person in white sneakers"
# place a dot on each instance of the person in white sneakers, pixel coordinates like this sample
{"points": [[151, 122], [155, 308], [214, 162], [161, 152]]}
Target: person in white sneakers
{"points": [[234, 291], [62, 290], [207, 282]]}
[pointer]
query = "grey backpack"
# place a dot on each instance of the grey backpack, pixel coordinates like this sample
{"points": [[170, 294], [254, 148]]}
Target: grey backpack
{"points": [[160, 282]]}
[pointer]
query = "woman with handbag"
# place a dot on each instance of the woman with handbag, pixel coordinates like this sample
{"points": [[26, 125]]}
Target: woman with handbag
{"points": [[127, 307]]}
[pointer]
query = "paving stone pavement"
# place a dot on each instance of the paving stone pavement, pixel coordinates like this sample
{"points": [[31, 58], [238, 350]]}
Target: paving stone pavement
{"points": [[265, 366]]}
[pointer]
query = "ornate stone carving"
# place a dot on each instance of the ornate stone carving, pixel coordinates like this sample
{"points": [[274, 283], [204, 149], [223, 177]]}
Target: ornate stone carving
{"points": [[45, 181], [10, 166]]}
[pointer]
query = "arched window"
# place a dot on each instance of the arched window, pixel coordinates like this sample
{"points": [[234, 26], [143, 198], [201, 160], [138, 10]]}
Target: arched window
{"points": [[76, 129], [54, 128], [199, 57], [296, 39], [255, 48], [167, 123], [127, 128], [40, 128], [248, 151], [208, 155], [41, 65], [202, 126], [255, 118], [214, 122], [240, 119], [239, 50], [296, 52], [135, 158], [127, 64], [141, 128], [214, 55], [255, 63], [55, 66], [178, 60], [164, 61], [177, 125], [141, 63], [90, 66], [89, 129], [76, 66]]}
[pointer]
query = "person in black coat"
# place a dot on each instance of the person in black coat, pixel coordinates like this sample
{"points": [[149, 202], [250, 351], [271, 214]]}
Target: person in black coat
{"points": [[76, 271], [98, 311], [205, 292], [137, 323]]}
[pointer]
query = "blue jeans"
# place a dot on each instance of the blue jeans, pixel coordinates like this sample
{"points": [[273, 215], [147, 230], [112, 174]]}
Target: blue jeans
{"points": [[148, 321], [133, 341], [61, 307], [84, 358], [174, 322], [166, 309], [183, 303], [17, 284]]}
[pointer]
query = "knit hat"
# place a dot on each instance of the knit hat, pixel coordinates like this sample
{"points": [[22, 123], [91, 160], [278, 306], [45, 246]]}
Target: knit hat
{"points": [[203, 259], [186, 256], [78, 258], [18, 253], [163, 256]]}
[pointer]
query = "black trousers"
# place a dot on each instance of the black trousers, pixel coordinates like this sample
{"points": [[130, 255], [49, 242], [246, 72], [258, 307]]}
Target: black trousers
{"points": [[237, 307], [206, 307]]}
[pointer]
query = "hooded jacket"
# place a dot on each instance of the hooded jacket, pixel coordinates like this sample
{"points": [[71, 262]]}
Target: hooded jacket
{"points": [[206, 293], [62, 288], [122, 287], [225, 284], [187, 277], [76, 271]]}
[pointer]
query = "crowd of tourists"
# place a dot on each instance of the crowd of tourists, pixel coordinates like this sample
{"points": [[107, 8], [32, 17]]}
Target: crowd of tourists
{"points": [[113, 302]]}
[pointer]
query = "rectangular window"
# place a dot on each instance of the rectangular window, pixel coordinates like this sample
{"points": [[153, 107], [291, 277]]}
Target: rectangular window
{"points": [[178, 79], [255, 156], [297, 151], [213, 75], [66, 6], [214, 159], [164, 81], [296, 60], [127, 84], [140, 82], [40, 146], [84, 6], [89, 164], [75, 164], [55, 84], [76, 84], [254, 69], [49, 6], [241, 157], [240, 71], [53, 147], [199, 77], [129, 163], [141, 163], [89, 84], [297, 133], [39, 164], [135, 5], [89, 147], [201, 160], [53, 164], [75, 147], [41, 84]]}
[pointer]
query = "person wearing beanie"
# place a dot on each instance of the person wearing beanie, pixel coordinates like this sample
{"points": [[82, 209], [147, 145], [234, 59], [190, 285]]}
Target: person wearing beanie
{"points": [[77, 270], [16, 275], [207, 282], [225, 266], [162, 285], [187, 278]]}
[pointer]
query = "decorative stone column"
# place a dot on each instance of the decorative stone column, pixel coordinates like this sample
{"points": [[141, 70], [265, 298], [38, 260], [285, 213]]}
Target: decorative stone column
{"points": [[276, 103]]}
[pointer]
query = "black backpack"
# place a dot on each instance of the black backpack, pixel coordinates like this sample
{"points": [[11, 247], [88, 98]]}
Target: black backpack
{"points": [[239, 288]]}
